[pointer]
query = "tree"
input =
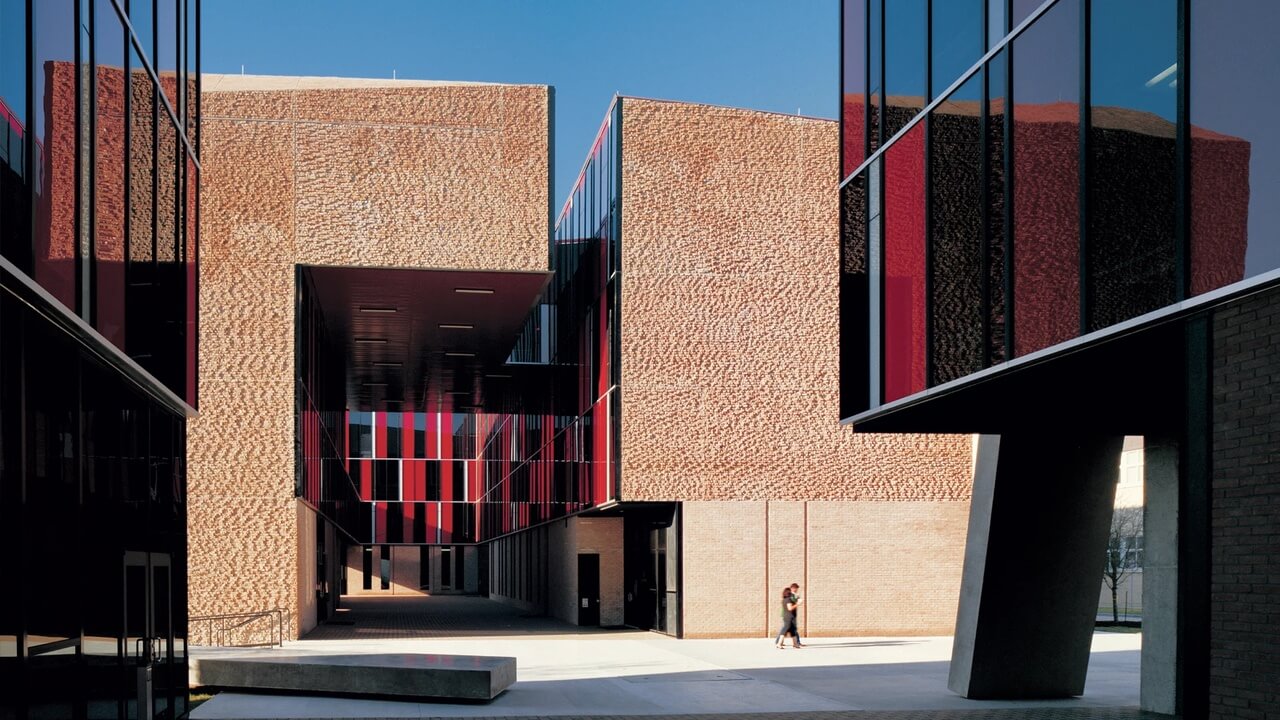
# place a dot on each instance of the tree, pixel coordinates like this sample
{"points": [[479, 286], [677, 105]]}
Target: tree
{"points": [[1122, 551]]}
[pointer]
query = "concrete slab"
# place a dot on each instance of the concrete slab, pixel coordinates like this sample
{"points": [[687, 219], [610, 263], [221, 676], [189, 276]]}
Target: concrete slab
{"points": [[403, 675]]}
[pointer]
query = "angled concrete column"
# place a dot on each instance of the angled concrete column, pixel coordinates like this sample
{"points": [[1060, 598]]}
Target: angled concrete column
{"points": [[1159, 688], [1033, 564]]}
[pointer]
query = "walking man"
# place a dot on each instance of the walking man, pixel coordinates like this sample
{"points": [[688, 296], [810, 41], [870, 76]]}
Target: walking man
{"points": [[795, 598]]}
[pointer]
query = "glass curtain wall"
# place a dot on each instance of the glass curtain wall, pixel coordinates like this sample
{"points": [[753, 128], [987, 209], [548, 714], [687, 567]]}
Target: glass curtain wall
{"points": [[538, 467], [1077, 178], [97, 179], [92, 451]]}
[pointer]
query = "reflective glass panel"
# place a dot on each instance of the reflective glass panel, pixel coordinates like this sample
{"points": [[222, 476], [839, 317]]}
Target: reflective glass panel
{"points": [[853, 122], [906, 23], [1130, 251], [15, 196], [166, 60], [1046, 181], [55, 153], [110, 177], [1235, 149], [957, 41], [956, 238], [875, 74], [904, 267], [996, 76]]}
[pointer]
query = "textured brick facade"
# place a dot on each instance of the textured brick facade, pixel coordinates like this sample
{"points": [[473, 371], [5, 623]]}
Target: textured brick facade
{"points": [[730, 361], [1245, 602], [730, 350], [328, 172]]}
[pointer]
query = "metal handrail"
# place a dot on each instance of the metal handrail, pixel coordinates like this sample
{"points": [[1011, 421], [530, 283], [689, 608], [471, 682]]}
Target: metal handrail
{"points": [[218, 637]]}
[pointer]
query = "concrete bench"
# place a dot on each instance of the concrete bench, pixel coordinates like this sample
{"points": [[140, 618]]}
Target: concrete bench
{"points": [[400, 675]]}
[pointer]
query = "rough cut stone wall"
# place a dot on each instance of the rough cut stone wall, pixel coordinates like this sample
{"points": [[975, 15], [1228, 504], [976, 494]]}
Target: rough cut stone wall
{"points": [[730, 350], [1244, 623], [335, 172]]}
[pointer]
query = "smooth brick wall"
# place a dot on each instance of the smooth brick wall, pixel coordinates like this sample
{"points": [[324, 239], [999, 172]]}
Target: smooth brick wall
{"points": [[865, 568], [1244, 641], [329, 172], [722, 553]]}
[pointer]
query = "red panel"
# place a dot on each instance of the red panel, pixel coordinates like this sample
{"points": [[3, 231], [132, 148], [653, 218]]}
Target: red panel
{"points": [[366, 478], [406, 430], [433, 436], [599, 453]]}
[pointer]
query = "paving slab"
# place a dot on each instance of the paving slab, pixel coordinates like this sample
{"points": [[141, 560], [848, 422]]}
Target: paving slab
{"points": [[565, 675]]}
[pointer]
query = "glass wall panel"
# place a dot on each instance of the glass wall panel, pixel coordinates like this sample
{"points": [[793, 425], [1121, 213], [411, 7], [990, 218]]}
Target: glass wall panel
{"points": [[1046, 181], [956, 235], [995, 207], [15, 195], [140, 238], [906, 24], [854, 318], [1235, 149], [55, 152], [1130, 250], [191, 73], [853, 114], [875, 75], [957, 41], [110, 176], [904, 266], [165, 61]]}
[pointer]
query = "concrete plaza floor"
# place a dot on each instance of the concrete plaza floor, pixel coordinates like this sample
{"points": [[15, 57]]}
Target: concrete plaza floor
{"points": [[564, 672]]}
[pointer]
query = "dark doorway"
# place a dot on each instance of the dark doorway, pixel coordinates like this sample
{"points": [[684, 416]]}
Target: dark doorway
{"points": [[588, 589], [651, 549], [155, 674]]}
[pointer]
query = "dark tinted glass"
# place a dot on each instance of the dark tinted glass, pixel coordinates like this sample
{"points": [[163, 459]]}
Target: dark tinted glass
{"points": [[54, 91], [997, 79], [904, 267], [110, 177], [1235, 149], [854, 94], [957, 41], [956, 237], [875, 74], [1130, 250], [906, 24], [15, 195], [1046, 164]]}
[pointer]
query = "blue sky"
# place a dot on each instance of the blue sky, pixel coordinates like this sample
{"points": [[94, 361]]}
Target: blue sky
{"points": [[763, 54]]}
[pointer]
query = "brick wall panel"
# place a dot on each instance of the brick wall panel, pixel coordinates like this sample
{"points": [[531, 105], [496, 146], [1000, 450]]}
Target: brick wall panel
{"points": [[338, 172], [724, 566], [1244, 645]]}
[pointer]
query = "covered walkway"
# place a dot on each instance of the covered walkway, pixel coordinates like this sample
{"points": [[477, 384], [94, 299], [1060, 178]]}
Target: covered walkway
{"points": [[440, 617]]}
